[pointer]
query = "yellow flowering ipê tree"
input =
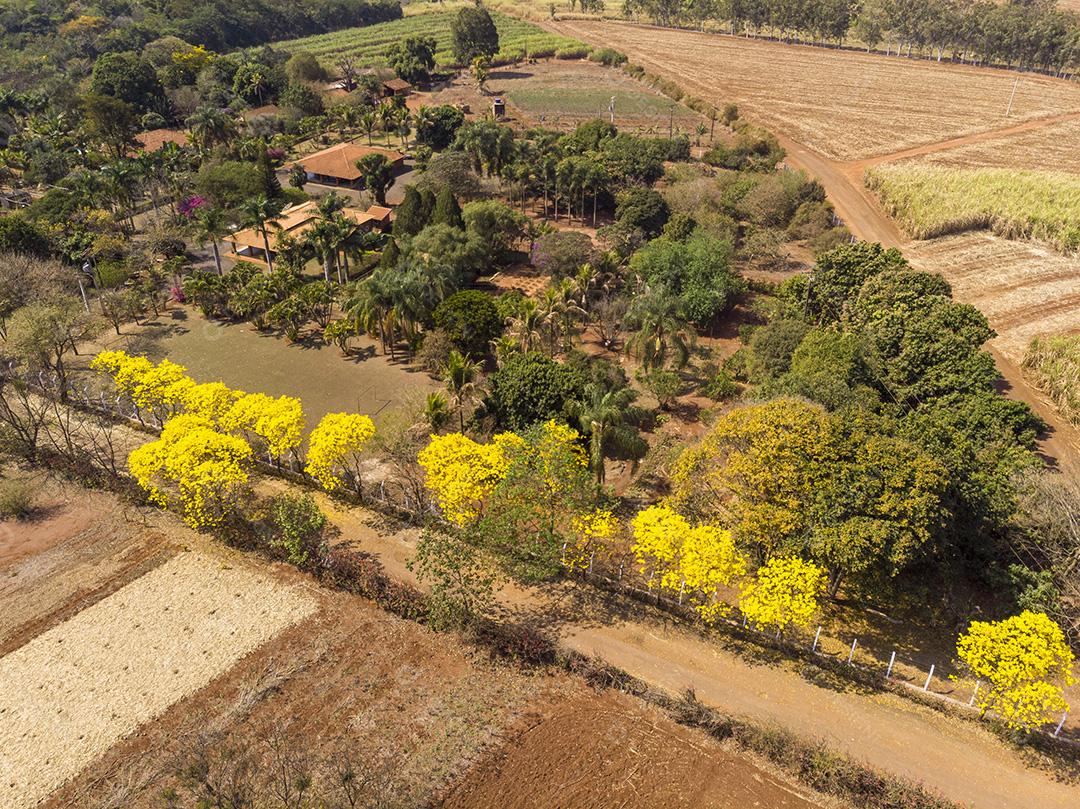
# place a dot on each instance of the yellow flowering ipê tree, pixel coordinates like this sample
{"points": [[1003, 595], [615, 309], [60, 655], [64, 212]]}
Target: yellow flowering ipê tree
{"points": [[659, 532], [594, 531], [677, 555], [277, 425], [462, 473], [155, 389], [211, 400], [1025, 661], [784, 593], [709, 561], [194, 468], [334, 448]]}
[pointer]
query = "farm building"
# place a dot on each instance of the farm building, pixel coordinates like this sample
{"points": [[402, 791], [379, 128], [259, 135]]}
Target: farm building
{"points": [[295, 221], [392, 88], [337, 164], [154, 139]]}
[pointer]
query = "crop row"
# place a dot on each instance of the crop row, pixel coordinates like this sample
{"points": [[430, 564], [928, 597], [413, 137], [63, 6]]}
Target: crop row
{"points": [[367, 45], [932, 201]]}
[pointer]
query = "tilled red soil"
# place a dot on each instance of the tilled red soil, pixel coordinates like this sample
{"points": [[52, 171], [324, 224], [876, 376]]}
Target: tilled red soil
{"points": [[607, 750]]}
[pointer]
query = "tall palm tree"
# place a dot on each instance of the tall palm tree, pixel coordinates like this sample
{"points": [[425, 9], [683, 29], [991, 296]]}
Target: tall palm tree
{"points": [[661, 329], [210, 126], [367, 123], [460, 374], [387, 119], [601, 415], [527, 328], [211, 226], [261, 213]]}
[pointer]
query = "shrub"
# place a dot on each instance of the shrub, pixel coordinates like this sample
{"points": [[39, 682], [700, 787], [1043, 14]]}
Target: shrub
{"points": [[530, 388], [721, 387], [471, 320], [561, 253], [572, 52], [434, 351], [17, 498], [608, 56], [298, 525]]}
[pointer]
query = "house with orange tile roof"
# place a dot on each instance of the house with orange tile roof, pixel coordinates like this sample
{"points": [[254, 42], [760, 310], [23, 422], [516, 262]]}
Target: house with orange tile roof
{"points": [[295, 222], [336, 165], [154, 139]]}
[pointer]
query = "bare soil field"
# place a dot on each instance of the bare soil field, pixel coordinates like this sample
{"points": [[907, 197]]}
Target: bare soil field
{"points": [[83, 546], [189, 670], [843, 104], [608, 751], [1023, 289], [95, 678], [1052, 147]]}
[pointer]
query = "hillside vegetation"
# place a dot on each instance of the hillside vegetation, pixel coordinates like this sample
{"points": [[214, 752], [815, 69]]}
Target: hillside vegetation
{"points": [[931, 201], [368, 45]]}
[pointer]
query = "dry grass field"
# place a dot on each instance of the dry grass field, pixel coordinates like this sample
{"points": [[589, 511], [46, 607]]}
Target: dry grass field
{"points": [[844, 104], [95, 678], [1054, 147], [1023, 289]]}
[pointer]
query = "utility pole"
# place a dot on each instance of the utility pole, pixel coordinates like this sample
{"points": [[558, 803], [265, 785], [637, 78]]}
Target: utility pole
{"points": [[671, 123], [611, 110], [1012, 95]]}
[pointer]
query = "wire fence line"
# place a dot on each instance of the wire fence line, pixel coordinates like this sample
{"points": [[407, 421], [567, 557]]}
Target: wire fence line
{"points": [[619, 584], [622, 580]]}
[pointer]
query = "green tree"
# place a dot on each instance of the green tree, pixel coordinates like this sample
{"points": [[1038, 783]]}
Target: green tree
{"points": [[378, 174], [471, 320], [19, 235], [261, 213], [437, 126], [298, 527], [473, 34], [460, 375], [460, 585], [129, 78], [530, 388], [644, 209], [496, 225], [111, 121], [412, 58], [303, 66], [409, 216], [447, 211], [271, 186], [660, 331]]}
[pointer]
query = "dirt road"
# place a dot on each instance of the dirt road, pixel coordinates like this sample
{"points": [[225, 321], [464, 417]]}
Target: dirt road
{"points": [[844, 187]]}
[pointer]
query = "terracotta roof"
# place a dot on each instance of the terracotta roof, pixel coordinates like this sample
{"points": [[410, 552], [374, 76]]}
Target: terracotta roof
{"points": [[379, 212], [340, 161], [396, 85], [156, 138], [296, 220]]}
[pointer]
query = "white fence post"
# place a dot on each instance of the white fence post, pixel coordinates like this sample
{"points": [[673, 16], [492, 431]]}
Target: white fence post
{"points": [[929, 677], [975, 693], [1060, 724], [591, 557], [892, 659], [816, 636], [744, 622], [851, 654], [620, 572]]}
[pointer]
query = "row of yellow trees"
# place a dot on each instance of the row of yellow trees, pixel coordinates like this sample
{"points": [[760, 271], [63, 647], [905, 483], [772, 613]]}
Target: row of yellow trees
{"points": [[201, 463]]}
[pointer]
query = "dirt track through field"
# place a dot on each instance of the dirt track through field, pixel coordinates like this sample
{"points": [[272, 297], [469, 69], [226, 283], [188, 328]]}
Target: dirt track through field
{"points": [[69, 693], [842, 180]]}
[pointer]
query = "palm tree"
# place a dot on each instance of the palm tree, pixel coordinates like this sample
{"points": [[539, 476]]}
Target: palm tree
{"points": [[461, 374], [367, 123], [260, 213], [601, 415], [387, 117], [210, 126], [660, 329], [211, 226], [527, 329]]}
